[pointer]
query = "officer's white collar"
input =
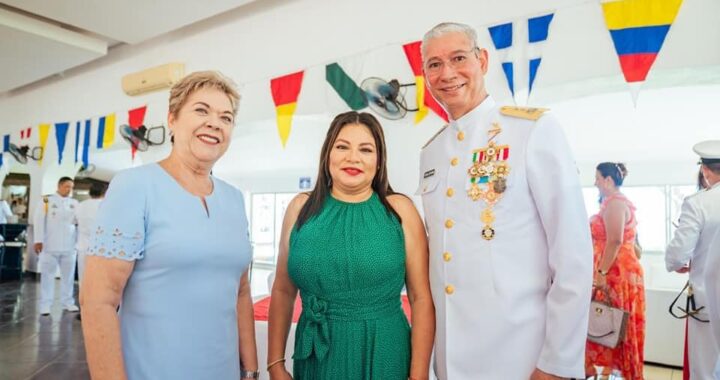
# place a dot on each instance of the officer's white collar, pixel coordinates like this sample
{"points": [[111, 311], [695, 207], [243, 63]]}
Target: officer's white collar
{"points": [[475, 115]]}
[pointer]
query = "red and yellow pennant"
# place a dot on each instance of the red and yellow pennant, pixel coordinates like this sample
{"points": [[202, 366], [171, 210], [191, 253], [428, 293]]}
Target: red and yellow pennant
{"points": [[285, 91], [423, 97]]}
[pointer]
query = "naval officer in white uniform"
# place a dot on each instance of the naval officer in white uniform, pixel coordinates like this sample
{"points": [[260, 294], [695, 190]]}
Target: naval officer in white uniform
{"points": [[510, 247], [712, 289], [54, 231], [689, 250]]}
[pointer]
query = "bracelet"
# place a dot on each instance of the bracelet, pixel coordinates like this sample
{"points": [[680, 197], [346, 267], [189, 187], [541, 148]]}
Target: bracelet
{"points": [[281, 360], [245, 374], [602, 272]]}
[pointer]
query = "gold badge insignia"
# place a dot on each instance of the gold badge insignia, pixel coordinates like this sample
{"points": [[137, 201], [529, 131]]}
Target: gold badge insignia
{"points": [[494, 131], [488, 178], [487, 216], [488, 233], [500, 185], [528, 113], [475, 192]]}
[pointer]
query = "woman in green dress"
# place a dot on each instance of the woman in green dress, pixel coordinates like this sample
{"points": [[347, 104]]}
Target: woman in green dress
{"points": [[350, 246]]}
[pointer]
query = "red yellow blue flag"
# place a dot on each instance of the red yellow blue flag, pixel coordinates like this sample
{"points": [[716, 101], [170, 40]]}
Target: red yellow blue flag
{"points": [[638, 29]]}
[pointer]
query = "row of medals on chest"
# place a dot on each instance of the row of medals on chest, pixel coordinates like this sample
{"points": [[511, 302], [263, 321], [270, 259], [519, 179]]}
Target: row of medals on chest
{"points": [[488, 177]]}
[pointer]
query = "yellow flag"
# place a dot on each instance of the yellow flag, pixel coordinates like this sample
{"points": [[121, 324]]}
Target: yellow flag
{"points": [[44, 132]]}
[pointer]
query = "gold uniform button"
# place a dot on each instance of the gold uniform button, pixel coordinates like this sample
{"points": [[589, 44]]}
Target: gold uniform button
{"points": [[449, 289], [447, 256], [449, 223], [450, 192], [454, 161], [461, 136]]}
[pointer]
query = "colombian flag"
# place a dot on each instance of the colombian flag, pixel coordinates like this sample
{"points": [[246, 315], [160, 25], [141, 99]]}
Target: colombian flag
{"points": [[106, 131], [638, 29], [285, 91], [423, 97]]}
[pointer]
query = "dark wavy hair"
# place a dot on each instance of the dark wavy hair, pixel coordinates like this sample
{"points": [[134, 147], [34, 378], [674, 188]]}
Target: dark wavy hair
{"points": [[323, 185], [614, 170]]}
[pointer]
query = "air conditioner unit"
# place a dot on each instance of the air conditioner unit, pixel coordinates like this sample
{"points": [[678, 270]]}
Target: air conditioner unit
{"points": [[153, 79]]}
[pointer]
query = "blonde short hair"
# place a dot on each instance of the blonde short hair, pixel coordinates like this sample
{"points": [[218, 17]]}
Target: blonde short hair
{"points": [[180, 92]]}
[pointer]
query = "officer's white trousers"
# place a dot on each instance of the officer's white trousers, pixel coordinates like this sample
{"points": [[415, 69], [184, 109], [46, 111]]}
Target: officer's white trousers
{"points": [[48, 263], [702, 351]]}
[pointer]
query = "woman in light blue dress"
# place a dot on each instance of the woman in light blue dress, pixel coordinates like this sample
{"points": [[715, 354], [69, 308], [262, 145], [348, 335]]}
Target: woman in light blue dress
{"points": [[171, 249]]}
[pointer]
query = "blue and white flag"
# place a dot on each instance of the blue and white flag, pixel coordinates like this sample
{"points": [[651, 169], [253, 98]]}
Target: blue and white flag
{"points": [[537, 35], [502, 38], [519, 46]]}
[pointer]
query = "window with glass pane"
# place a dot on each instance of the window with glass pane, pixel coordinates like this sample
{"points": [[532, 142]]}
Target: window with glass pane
{"points": [[267, 213], [677, 196], [651, 214], [591, 196], [281, 203], [262, 227]]}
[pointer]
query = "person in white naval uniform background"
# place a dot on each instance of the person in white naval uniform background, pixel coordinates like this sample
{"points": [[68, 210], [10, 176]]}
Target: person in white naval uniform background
{"points": [[510, 247], [86, 213], [54, 226], [712, 290], [689, 250], [5, 212]]}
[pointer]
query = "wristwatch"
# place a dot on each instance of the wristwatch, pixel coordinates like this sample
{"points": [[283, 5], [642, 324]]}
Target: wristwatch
{"points": [[245, 374], [602, 272]]}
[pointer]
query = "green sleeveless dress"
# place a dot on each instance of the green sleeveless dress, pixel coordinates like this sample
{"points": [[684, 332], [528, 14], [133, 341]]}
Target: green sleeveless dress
{"points": [[349, 264]]}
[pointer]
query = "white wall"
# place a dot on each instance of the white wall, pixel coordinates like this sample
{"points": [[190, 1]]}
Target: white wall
{"points": [[579, 78]]}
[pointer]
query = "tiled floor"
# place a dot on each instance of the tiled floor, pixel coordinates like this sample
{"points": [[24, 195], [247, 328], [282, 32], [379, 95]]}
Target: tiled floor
{"points": [[662, 373], [34, 347]]}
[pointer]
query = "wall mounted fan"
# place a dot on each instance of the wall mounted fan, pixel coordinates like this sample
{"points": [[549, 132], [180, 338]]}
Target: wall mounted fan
{"points": [[143, 137], [85, 171], [385, 98], [22, 153]]}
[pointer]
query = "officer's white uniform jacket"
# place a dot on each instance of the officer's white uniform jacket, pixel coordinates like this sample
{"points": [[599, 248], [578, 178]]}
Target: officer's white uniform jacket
{"points": [[56, 228], [711, 280], [698, 224], [520, 300], [699, 221], [5, 212]]}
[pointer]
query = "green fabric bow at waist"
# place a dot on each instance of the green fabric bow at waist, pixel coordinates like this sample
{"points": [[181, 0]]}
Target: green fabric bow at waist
{"points": [[313, 324]]}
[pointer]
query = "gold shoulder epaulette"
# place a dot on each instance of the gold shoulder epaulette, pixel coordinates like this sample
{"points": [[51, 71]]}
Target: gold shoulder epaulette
{"points": [[45, 198], [435, 135], [528, 113]]}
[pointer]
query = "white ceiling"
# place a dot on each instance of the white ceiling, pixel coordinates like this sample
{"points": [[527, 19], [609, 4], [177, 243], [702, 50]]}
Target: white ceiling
{"points": [[40, 38]]}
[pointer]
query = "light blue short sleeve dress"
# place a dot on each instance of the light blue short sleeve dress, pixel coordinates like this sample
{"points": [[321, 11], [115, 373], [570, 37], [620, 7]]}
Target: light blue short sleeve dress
{"points": [[178, 314]]}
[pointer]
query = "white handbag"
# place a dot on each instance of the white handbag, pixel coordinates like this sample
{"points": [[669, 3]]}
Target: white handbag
{"points": [[607, 324]]}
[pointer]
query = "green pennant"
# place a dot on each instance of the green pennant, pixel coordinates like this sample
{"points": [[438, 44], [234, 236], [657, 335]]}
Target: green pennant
{"points": [[345, 86]]}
